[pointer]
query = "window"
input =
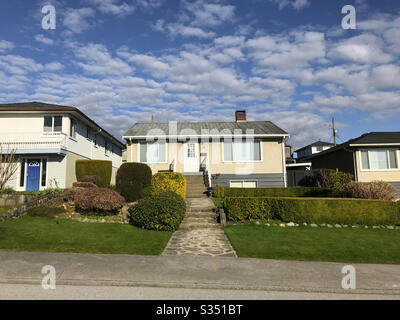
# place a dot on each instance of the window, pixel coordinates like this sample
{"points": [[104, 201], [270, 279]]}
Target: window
{"points": [[106, 148], [153, 152], [72, 128], [320, 148], [379, 159], [243, 184], [52, 123], [87, 133], [44, 172], [242, 150]]}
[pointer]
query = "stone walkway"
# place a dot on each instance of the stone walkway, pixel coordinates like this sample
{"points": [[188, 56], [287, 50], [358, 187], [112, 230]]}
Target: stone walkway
{"points": [[199, 233]]}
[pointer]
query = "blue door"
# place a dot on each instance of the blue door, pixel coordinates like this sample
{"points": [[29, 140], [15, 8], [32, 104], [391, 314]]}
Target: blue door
{"points": [[33, 175]]}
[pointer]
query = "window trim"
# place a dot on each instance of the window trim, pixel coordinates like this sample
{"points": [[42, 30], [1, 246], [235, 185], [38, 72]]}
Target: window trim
{"points": [[71, 121], [387, 153], [166, 152], [242, 181], [247, 161]]}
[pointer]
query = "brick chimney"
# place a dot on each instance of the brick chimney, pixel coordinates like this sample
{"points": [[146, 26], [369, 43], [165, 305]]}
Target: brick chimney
{"points": [[240, 115]]}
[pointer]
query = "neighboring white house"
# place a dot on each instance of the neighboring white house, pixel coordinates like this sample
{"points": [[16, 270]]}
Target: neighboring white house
{"points": [[313, 148], [48, 139]]}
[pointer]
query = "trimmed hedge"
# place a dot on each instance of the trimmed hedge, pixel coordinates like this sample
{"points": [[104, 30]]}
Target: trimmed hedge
{"points": [[98, 200], [221, 192], [313, 210], [132, 178], [162, 212], [93, 179], [168, 182], [101, 168]]}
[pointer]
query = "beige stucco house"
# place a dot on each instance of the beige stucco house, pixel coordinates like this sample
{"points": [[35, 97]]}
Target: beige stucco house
{"points": [[48, 139], [372, 156], [239, 153]]}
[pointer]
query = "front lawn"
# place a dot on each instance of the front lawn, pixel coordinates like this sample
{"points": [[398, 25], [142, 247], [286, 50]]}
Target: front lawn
{"points": [[63, 235], [354, 245]]}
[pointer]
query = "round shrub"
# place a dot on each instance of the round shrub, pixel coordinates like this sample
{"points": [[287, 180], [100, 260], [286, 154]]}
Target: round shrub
{"points": [[101, 168], [84, 185], [379, 190], [132, 178], [168, 182], [163, 212], [98, 200]]}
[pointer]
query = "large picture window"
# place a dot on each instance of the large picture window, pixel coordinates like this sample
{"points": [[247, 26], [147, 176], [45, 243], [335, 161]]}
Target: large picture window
{"points": [[379, 159], [52, 123], [153, 152], [242, 150]]}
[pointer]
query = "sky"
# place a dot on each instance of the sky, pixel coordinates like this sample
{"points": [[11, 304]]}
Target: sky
{"points": [[287, 61]]}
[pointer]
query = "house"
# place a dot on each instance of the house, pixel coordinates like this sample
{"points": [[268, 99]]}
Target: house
{"points": [[372, 156], [238, 154], [313, 148], [48, 139]]}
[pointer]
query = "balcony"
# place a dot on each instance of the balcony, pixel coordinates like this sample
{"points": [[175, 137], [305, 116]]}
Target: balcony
{"points": [[34, 142]]}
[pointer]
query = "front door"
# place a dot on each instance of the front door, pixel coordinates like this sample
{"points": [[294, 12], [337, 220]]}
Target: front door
{"points": [[191, 157], [33, 175]]}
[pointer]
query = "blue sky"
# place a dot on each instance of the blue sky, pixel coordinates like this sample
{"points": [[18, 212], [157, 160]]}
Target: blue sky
{"points": [[289, 61]]}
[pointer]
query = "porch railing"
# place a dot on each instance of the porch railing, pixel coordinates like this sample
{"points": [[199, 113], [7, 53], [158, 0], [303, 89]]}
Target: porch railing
{"points": [[33, 141]]}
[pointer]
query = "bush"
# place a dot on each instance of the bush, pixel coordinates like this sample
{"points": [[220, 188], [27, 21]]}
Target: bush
{"points": [[84, 185], [337, 181], [313, 210], [93, 179], [168, 182], [7, 191], [379, 190], [101, 168], [163, 212], [45, 211], [97, 200], [221, 192], [132, 178], [320, 178]]}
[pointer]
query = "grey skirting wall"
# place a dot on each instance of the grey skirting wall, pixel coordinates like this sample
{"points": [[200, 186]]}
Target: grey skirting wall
{"points": [[265, 180], [396, 185]]}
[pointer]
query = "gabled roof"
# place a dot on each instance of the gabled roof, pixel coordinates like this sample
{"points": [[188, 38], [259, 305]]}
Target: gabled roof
{"points": [[377, 139], [267, 128], [46, 107], [317, 144]]}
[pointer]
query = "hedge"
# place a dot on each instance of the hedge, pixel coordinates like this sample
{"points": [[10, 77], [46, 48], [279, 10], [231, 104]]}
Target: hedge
{"points": [[221, 192], [101, 168], [162, 212], [132, 178], [168, 181], [313, 210]]}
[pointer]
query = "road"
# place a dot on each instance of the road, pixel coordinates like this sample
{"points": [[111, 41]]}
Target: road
{"points": [[33, 292]]}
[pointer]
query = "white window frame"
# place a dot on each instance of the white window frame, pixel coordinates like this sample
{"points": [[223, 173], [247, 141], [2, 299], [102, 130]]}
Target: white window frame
{"points": [[242, 181], [246, 161], [156, 162], [387, 154], [71, 121], [52, 123]]}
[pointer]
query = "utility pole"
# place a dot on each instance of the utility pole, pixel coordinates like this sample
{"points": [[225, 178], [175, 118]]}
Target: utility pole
{"points": [[334, 131]]}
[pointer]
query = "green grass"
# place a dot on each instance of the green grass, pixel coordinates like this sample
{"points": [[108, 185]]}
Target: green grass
{"points": [[4, 209], [356, 245], [62, 235]]}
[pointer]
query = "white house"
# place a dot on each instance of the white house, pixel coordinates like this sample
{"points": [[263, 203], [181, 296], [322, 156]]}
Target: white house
{"points": [[48, 139]]}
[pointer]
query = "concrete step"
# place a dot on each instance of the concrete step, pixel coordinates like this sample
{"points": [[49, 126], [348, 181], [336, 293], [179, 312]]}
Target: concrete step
{"points": [[200, 214], [203, 219], [201, 190], [185, 226]]}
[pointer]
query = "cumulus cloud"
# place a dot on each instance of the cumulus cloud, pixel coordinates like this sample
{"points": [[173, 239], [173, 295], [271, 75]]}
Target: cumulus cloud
{"points": [[113, 7], [295, 4], [42, 39], [76, 20], [5, 46]]}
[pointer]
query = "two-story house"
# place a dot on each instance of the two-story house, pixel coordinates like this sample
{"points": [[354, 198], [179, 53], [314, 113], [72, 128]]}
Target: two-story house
{"points": [[313, 148], [47, 140], [238, 154]]}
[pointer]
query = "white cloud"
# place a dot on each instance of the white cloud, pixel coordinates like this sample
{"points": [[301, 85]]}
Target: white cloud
{"points": [[296, 4], [53, 66], [113, 7], [209, 14], [6, 45], [41, 38], [188, 31], [365, 48], [76, 19]]}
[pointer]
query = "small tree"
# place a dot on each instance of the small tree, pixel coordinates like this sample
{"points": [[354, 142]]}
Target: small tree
{"points": [[8, 165]]}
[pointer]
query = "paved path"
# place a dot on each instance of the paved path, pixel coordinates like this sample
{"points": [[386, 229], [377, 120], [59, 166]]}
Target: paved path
{"points": [[199, 233], [197, 272]]}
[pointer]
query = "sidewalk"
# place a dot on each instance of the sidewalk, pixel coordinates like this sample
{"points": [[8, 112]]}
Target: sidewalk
{"points": [[196, 272]]}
